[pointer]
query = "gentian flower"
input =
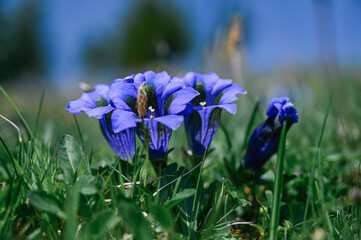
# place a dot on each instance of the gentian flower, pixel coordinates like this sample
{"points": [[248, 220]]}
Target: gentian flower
{"points": [[265, 138], [150, 101], [96, 104], [202, 115]]}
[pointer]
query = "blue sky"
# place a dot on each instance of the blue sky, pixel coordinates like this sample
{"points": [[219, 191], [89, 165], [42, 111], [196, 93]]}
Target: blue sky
{"points": [[281, 31]]}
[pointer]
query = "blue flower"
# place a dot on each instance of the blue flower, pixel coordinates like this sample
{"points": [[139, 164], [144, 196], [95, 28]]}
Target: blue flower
{"points": [[96, 104], [265, 138], [202, 115], [153, 101]]}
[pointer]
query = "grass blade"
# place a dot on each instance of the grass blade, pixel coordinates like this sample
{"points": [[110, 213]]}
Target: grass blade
{"points": [[39, 110], [318, 166], [275, 216], [28, 130]]}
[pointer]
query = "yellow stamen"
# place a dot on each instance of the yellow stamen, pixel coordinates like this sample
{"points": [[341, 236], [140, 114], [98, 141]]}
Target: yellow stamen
{"points": [[151, 109]]}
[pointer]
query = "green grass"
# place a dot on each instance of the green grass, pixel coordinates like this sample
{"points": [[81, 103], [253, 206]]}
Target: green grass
{"points": [[60, 180]]}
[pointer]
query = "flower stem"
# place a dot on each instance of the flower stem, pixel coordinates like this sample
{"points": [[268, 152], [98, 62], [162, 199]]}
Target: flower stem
{"points": [[277, 191]]}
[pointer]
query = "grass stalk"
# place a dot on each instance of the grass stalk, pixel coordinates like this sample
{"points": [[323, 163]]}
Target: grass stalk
{"points": [[39, 111], [28, 130], [316, 165], [275, 215]]}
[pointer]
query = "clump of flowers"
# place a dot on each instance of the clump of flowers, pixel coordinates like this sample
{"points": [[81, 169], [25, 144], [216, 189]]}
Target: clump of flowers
{"points": [[203, 113], [265, 138], [97, 104], [150, 101], [153, 105]]}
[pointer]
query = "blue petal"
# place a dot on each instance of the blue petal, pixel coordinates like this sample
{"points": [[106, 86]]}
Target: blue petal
{"points": [[218, 87], [190, 79], [275, 106], [201, 127], [171, 121], [159, 138], [139, 78], [120, 90], [80, 105], [98, 112], [181, 99], [230, 93], [174, 85], [209, 81], [159, 81], [122, 119], [100, 90], [231, 108], [123, 143], [290, 113], [87, 102]]}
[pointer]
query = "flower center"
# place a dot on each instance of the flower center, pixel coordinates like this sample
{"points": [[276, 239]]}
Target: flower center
{"points": [[203, 104]]}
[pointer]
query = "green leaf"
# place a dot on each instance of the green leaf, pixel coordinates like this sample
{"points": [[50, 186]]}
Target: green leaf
{"points": [[71, 209], [133, 219], [163, 216], [87, 184], [46, 203], [233, 194], [179, 197], [71, 158], [102, 223]]}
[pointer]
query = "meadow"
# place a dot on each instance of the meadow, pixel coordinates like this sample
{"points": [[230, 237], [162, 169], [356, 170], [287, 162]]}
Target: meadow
{"points": [[59, 179]]}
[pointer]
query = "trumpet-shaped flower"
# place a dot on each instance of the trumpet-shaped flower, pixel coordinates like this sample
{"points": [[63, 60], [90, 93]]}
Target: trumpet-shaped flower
{"points": [[265, 138], [203, 114], [150, 101], [96, 104]]}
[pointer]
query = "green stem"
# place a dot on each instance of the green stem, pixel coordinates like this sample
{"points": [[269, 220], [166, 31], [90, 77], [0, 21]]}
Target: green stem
{"points": [[275, 216]]}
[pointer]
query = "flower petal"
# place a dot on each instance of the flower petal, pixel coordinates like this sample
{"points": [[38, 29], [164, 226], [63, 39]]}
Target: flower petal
{"points": [[159, 81], [209, 81], [159, 138], [98, 112], [80, 105], [230, 93], [122, 119], [201, 127], [181, 99], [100, 90], [231, 108], [218, 87], [123, 143], [190, 79], [174, 85], [171, 121], [275, 106], [290, 113], [87, 102], [120, 90]]}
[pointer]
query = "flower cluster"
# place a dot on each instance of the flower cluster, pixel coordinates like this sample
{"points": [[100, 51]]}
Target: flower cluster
{"points": [[153, 104], [265, 138]]}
